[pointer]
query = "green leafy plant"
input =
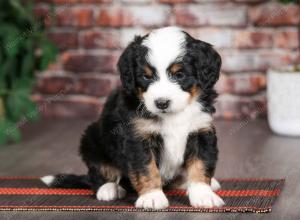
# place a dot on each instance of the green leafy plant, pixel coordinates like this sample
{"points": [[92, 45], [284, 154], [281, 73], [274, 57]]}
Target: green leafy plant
{"points": [[24, 49], [296, 2]]}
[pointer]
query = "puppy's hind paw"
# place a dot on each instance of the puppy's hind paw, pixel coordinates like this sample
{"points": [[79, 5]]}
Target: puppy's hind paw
{"points": [[48, 180], [110, 191], [214, 184]]}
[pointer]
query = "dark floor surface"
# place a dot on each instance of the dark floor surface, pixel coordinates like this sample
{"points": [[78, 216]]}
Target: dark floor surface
{"points": [[247, 149]]}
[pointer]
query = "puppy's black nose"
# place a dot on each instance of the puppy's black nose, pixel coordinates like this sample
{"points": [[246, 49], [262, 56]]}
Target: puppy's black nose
{"points": [[162, 103]]}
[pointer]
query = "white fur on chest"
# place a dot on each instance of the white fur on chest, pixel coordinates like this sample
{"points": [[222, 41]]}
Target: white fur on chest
{"points": [[174, 130]]}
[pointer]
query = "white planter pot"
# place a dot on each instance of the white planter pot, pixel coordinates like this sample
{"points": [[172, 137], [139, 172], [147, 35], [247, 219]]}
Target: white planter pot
{"points": [[283, 94]]}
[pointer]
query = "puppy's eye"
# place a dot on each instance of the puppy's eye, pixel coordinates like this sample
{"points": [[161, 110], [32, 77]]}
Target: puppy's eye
{"points": [[147, 77], [179, 75]]}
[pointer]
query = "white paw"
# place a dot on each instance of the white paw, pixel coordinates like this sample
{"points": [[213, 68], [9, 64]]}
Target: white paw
{"points": [[110, 191], [48, 180], [202, 196], [152, 200], [214, 184]]}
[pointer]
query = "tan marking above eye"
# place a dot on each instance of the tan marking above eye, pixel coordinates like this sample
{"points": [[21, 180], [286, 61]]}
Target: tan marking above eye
{"points": [[148, 71], [175, 68]]}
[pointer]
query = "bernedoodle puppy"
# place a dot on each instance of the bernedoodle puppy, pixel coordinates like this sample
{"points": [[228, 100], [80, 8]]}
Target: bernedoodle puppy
{"points": [[156, 130]]}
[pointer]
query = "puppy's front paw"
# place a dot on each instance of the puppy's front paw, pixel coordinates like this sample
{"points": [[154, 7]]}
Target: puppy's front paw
{"points": [[202, 196], [155, 199], [110, 191]]}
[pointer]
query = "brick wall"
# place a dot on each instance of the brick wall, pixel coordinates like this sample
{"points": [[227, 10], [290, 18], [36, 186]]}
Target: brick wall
{"points": [[251, 35]]}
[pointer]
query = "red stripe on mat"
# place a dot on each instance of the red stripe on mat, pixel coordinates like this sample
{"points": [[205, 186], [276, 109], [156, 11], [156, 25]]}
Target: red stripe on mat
{"points": [[19, 177], [39, 191], [233, 193], [132, 207]]}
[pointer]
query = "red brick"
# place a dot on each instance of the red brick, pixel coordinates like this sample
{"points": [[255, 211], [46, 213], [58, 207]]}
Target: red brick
{"points": [[72, 106], [127, 35], [286, 39], [77, 17], [43, 15], [55, 83], [221, 85], [214, 1], [114, 17], [236, 107], [134, 15], [137, 1], [101, 39], [175, 1], [220, 15], [218, 37], [57, 1], [88, 84], [89, 62], [238, 62], [94, 85], [83, 17], [275, 14], [250, 1], [65, 2], [254, 61], [95, 1], [271, 59], [241, 84], [253, 39], [42, 1], [41, 11], [64, 40], [56, 66], [246, 84]]}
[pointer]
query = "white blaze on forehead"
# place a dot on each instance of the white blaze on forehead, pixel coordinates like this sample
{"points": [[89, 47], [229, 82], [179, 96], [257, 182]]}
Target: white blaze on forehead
{"points": [[165, 45]]}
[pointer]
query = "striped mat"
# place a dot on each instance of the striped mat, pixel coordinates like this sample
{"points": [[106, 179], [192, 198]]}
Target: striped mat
{"points": [[29, 193]]}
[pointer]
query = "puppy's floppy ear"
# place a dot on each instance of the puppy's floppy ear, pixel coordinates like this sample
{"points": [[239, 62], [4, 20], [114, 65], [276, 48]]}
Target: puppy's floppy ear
{"points": [[127, 65], [206, 61]]}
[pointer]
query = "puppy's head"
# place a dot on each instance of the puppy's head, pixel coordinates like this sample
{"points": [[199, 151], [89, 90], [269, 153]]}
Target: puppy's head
{"points": [[168, 69]]}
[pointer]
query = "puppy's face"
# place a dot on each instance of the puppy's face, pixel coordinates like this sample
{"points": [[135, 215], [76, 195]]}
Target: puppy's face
{"points": [[168, 89], [168, 69]]}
